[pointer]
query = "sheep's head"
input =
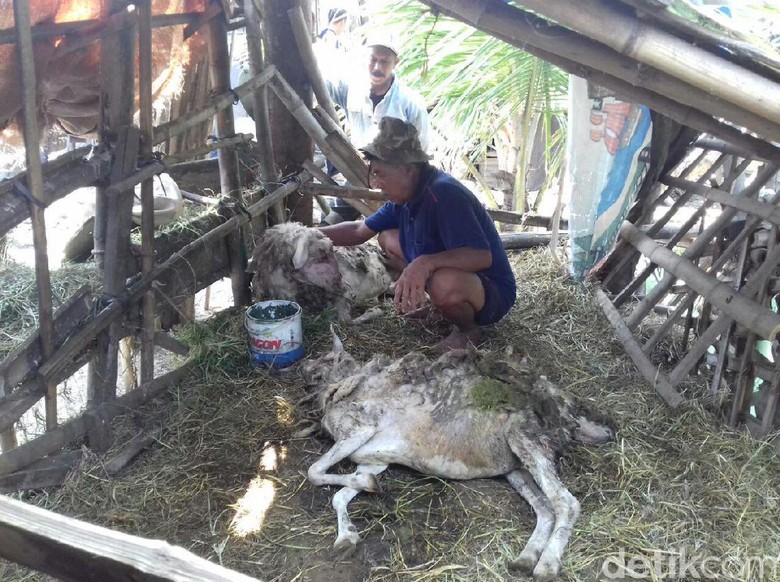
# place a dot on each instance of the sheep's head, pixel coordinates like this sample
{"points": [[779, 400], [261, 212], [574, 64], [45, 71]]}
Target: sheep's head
{"points": [[314, 260]]}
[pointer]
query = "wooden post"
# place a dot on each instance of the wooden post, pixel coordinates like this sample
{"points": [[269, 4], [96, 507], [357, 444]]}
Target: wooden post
{"points": [[254, 41], [117, 80], [292, 145], [219, 67], [303, 42], [35, 197], [147, 187]]}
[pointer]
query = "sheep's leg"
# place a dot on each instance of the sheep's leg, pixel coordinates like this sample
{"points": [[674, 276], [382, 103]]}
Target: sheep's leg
{"points": [[341, 450], [525, 485], [538, 459], [348, 537]]}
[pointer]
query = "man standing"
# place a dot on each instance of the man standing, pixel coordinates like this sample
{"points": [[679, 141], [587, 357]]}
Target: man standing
{"points": [[367, 101], [437, 233]]}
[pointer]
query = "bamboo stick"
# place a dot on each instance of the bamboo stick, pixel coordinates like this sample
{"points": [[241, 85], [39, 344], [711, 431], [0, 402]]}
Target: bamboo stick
{"points": [[700, 212], [747, 312], [653, 376], [139, 176], [165, 131], [196, 153], [345, 191], [35, 187], [584, 57], [147, 187], [54, 440], [699, 245], [721, 196], [219, 66], [665, 52], [706, 339], [647, 214], [303, 42]]}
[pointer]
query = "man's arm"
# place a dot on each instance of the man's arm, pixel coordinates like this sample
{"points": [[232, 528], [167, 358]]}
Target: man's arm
{"points": [[346, 234]]}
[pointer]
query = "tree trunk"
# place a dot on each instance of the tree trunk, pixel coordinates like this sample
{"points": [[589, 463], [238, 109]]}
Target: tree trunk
{"points": [[291, 144]]}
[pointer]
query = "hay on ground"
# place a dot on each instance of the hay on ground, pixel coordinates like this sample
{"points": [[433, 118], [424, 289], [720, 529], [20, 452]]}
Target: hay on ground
{"points": [[227, 481]]}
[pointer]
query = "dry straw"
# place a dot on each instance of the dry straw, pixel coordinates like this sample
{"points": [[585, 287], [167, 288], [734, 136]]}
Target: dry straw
{"points": [[226, 480]]}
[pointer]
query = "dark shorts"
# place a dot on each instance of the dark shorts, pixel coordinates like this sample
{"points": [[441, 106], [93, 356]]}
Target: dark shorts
{"points": [[499, 299]]}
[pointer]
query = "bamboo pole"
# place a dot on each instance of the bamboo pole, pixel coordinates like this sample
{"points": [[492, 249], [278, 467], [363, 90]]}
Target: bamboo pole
{"points": [[54, 440], [147, 187], [91, 29], [219, 66], [303, 42], [584, 57], [36, 196], [653, 376], [700, 212], [647, 214], [198, 153], [766, 211], [710, 335], [665, 52], [255, 39], [747, 312], [14, 405], [222, 101], [698, 246], [345, 191], [323, 177]]}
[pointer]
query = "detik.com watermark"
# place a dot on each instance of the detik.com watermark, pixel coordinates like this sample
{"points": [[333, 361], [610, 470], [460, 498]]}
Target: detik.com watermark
{"points": [[687, 564]]}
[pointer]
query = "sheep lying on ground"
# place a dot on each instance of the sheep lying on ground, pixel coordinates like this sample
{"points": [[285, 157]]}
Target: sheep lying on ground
{"points": [[299, 263], [462, 416]]}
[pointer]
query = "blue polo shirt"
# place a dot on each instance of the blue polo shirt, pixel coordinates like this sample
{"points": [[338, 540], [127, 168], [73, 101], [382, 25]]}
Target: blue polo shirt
{"points": [[443, 214]]}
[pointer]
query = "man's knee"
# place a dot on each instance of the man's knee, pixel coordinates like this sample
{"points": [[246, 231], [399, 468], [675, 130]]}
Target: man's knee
{"points": [[451, 286]]}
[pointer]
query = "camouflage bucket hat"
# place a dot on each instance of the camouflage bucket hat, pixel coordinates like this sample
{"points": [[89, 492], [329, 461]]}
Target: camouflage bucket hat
{"points": [[396, 143]]}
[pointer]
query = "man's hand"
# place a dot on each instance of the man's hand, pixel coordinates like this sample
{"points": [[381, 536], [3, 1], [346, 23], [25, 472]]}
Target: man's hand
{"points": [[410, 287]]}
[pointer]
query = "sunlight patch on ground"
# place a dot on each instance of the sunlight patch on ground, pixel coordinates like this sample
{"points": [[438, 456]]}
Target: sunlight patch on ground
{"points": [[252, 508]]}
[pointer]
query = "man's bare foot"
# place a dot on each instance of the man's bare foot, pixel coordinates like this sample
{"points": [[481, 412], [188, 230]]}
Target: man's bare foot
{"points": [[459, 340]]}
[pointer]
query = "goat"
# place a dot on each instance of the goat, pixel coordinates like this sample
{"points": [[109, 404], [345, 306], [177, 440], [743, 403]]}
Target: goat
{"points": [[463, 416], [299, 263]]}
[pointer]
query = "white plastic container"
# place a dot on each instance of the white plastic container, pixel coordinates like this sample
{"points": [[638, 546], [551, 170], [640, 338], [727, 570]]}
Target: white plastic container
{"points": [[275, 333]]}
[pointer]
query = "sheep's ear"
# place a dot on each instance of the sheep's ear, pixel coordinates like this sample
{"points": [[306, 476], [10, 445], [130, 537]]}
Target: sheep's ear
{"points": [[301, 253], [338, 346]]}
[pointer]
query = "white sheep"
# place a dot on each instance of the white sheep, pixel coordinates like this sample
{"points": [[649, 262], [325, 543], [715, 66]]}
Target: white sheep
{"points": [[298, 263], [462, 416]]}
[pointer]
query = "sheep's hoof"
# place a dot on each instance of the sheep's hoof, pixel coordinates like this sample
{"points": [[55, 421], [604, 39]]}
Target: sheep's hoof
{"points": [[546, 571], [345, 545], [368, 482], [523, 565]]}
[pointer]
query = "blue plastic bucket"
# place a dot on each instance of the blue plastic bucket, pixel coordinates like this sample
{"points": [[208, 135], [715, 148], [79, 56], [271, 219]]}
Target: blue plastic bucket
{"points": [[275, 333]]}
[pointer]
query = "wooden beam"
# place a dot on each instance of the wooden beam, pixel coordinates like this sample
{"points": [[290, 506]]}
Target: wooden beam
{"points": [[54, 440], [57, 184], [46, 472], [752, 315], [76, 551], [653, 375], [165, 131], [641, 41], [584, 57], [37, 201], [219, 69], [26, 357]]}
